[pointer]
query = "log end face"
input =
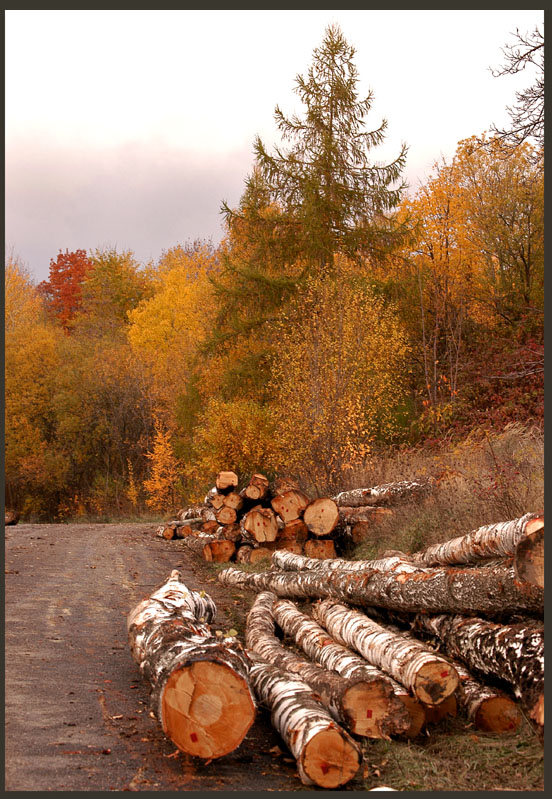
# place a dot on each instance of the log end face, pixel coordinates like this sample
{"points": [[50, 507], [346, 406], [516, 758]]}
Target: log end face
{"points": [[435, 681], [330, 758], [207, 709], [417, 715], [373, 710], [529, 558], [498, 714]]}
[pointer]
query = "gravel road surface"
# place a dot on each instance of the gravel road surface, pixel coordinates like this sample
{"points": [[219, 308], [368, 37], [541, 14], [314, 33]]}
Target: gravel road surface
{"points": [[77, 712]]}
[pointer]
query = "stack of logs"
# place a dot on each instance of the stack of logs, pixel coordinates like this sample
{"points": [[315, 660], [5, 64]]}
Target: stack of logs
{"points": [[371, 649], [248, 525]]}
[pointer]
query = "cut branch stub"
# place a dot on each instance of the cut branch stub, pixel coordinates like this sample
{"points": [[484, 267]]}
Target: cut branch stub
{"points": [[325, 754], [290, 505], [200, 690], [418, 668], [321, 516], [226, 482]]}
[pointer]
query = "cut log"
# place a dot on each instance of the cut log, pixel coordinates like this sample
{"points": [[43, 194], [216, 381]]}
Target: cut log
{"points": [[430, 678], [393, 563], [490, 709], [372, 516], [219, 551], [253, 555], [199, 685], [529, 558], [385, 493], [242, 553], [511, 652], [483, 590], [226, 515], [362, 531], [294, 531], [319, 548], [326, 754], [388, 714], [198, 541], [214, 499], [444, 710], [321, 516], [492, 541], [290, 505], [226, 482], [362, 706], [208, 514], [261, 524], [231, 532], [11, 516], [233, 500], [291, 546], [257, 488], [209, 527], [186, 514]]}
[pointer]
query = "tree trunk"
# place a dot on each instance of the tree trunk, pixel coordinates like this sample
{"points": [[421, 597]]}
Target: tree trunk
{"points": [[257, 488], [430, 678], [389, 715], [294, 531], [197, 542], [261, 525], [529, 558], [326, 755], [492, 541], [319, 548], [290, 505], [214, 499], [199, 685], [253, 555], [481, 590], [488, 708], [233, 500], [231, 532], [226, 515], [226, 482], [219, 551], [511, 652], [385, 493], [361, 706], [321, 516]]}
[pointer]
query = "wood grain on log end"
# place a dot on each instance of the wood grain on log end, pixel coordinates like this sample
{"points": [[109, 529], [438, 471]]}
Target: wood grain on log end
{"points": [[370, 710], [529, 557], [207, 709], [329, 759], [321, 516], [417, 712], [219, 551], [498, 714], [446, 709], [435, 681]]}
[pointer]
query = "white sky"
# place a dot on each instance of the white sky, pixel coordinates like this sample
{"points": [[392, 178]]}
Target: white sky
{"points": [[129, 128]]}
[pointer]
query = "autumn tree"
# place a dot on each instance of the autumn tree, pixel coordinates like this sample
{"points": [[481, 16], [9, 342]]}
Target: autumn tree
{"points": [[527, 115], [161, 485], [63, 289]]}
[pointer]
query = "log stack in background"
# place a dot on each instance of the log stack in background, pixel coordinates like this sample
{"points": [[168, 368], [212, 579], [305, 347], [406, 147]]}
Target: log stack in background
{"points": [[247, 525]]}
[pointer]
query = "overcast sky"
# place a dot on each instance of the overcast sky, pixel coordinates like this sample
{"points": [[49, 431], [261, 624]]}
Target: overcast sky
{"points": [[128, 129]]}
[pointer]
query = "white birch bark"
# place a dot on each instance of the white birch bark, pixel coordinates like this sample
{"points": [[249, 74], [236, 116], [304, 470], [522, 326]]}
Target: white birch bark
{"points": [[480, 590], [385, 493], [491, 541], [511, 652], [431, 678], [196, 680], [490, 709], [326, 754], [287, 561]]}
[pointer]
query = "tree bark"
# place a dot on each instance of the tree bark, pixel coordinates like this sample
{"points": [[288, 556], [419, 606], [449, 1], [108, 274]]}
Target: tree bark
{"points": [[390, 714], [199, 685], [326, 754], [529, 558], [321, 516], [290, 505], [490, 709], [362, 706], [481, 590], [430, 678], [511, 652], [492, 541], [385, 493]]}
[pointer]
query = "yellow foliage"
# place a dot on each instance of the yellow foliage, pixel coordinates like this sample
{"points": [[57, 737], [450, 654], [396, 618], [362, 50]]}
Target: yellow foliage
{"points": [[164, 472]]}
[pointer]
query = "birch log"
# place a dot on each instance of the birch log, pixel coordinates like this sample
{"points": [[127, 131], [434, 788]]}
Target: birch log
{"points": [[490, 709], [326, 754], [491, 541], [366, 708], [289, 562], [199, 685], [406, 711], [321, 516], [482, 590], [385, 493], [511, 652], [431, 678], [529, 558]]}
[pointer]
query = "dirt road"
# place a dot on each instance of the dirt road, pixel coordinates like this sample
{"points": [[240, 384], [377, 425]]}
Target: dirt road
{"points": [[77, 713]]}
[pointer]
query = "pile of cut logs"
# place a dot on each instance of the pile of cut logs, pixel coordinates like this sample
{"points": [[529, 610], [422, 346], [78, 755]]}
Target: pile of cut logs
{"points": [[369, 649], [248, 525]]}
